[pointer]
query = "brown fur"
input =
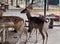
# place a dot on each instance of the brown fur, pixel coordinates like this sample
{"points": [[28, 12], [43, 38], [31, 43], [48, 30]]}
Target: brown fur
{"points": [[35, 22], [16, 20], [12, 21]]}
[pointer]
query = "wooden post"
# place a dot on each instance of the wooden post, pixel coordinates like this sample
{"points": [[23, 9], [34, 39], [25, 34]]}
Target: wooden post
{"points": [[11, 2], [26, 3], [7, 1], [47, 6], [17, 5], [44, 7]]}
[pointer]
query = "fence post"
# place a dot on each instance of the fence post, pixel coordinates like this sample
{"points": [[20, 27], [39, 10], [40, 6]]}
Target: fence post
{"points": [[44, 7]]}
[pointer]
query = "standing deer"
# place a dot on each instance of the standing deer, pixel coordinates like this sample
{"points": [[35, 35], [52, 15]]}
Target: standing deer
{"points": [[36, 22], [13, 22]]}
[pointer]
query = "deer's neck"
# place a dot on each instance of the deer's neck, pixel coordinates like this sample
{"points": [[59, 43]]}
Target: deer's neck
{"points": [[28, 15]]}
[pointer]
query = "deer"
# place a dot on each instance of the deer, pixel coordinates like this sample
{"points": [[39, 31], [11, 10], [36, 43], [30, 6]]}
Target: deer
{"points": [[36, 22], [13, 22]]}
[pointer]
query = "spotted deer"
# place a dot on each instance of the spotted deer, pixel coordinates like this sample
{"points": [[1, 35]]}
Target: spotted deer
{"points": [[13, 22], [36, 22]]}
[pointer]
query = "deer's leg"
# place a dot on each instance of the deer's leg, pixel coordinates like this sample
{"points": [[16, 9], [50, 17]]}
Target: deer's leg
{"points": [[30, 28], [36, 36], [26, 33], [46, 37], [26, 37], [45, 30], [19, 37], [7, 35], [43, 37], [19, 27]]}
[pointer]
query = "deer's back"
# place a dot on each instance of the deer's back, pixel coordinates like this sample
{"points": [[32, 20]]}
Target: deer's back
{"points": [[36, 20], [14, 19]]}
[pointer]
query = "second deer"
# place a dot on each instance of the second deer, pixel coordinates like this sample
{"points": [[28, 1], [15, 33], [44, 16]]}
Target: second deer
{"points": [[36, 22]]}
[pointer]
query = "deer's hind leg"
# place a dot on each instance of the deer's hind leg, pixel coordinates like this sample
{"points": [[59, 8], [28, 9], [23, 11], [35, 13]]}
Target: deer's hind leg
{"points": [[46, 35], [43, 37], [30, 28], [45, 30], [25, 31], [36, 37], [41, 32], [19, 27]]}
